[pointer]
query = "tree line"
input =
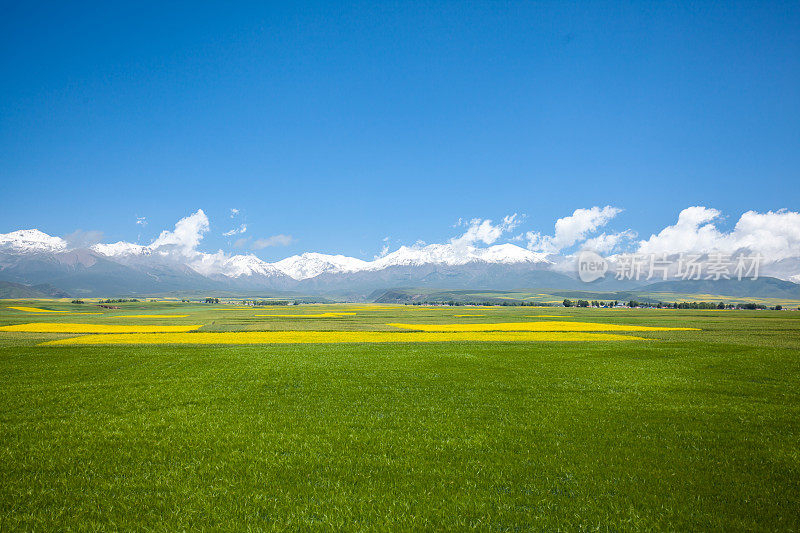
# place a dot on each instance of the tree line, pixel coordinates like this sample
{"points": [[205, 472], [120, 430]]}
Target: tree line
{"points": [[671, 305], [510, 303]]}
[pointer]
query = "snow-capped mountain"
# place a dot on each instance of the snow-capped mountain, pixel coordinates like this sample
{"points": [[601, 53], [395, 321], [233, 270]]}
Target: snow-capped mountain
{"points": [[310, 265], [173, 263], [217, 264], [166, 264], [451, 255], [122, 249], [31, 240], [235, 266]]}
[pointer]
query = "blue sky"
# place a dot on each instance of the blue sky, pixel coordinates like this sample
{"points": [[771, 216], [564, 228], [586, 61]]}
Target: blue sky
{"points": [[340, 125]]}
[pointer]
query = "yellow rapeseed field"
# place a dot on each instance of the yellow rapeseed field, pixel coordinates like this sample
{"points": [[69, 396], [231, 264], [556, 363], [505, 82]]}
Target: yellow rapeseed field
{"points": [[555, 325], [53, 327], [35, 310], [337, 337], [316, 315]]}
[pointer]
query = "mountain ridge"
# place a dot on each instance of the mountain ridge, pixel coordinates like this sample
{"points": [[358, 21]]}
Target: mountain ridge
{"points": [[31, 257]]}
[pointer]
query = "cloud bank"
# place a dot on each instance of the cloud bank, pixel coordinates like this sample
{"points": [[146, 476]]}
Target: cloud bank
{"points": [[186, 236], [575, 228], [774, 234], [483, 231]]}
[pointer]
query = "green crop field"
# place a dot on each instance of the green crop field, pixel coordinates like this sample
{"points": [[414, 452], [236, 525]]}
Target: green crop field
{"points": [[683, 430]]}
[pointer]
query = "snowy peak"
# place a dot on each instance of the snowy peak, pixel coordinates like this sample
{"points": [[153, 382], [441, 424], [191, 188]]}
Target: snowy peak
{"points": [[310, 265], [298, 267], [452, 255], [121, 248], [510, 253], [247, 265], [31, 240]]}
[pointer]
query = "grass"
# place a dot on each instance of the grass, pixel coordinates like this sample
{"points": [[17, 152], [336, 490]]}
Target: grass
{"points": [[548, 325], [695, 430]]}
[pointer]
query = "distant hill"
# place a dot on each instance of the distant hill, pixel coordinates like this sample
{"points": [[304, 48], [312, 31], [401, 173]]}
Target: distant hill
{"points": [[764, 287], [18, 290]]}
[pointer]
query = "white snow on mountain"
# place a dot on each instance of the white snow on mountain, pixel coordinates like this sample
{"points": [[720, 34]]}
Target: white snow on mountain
{"points": [[234, 266], [451, 255], [206, 264], [773, 235], [298, 267], [121, 248], [310, 265], [31, 240]]}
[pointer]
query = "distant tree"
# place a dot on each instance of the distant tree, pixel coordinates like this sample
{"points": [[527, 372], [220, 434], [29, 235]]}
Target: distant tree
{"points": [[567, 303]]}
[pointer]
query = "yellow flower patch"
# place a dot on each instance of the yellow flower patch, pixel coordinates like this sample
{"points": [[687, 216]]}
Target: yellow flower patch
{"points": [[54, 327], [337, 337], [35, 310], [554, 325]]}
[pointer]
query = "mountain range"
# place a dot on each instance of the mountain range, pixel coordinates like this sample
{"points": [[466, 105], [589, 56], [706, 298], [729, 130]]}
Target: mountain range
{"points": [[31, 257]]}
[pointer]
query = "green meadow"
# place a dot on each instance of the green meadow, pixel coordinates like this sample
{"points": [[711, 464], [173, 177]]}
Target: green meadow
{"points": [[686, 430]]}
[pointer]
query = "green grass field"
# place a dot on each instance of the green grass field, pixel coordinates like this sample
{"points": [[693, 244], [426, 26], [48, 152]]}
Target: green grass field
{"points": [[686, 430]]}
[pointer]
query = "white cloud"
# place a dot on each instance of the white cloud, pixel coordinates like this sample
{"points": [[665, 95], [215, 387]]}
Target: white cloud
{"points": [[484, 231], [693, 231], [234, 212], [573, 229], [141, 221], [774, 234], [83, 239], [608, 242], [275, 240], [236, 231], [240, 243], [186, 236], [384, 248]]}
